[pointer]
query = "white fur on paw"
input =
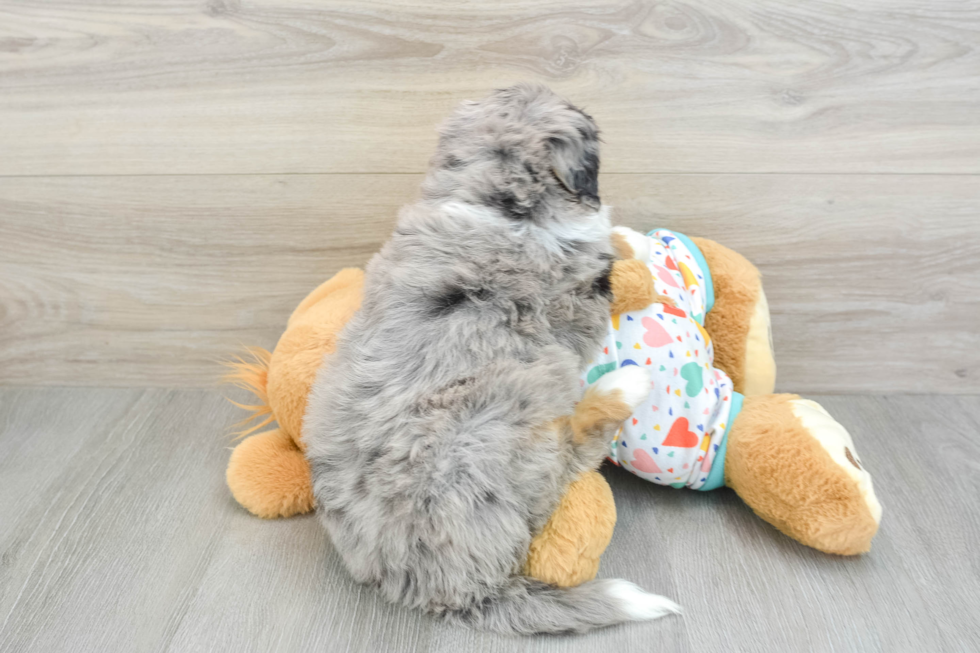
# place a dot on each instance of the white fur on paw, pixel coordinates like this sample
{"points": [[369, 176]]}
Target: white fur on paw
{"points": [[640, 605], [639, 243], [633, 381]]}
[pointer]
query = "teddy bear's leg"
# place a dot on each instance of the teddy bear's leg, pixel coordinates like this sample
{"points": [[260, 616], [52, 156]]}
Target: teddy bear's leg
{"points": [[269, 476], [346, 277], [567, 551], [738, 323], [267, 473], [797, 468], [310, 335]]}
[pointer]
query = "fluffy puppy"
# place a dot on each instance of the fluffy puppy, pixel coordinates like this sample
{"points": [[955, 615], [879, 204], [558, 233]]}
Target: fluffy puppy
{"points": [[443, 431]]}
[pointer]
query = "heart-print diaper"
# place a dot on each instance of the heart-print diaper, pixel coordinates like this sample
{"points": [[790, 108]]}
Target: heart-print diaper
{"points": [[676, 437]]}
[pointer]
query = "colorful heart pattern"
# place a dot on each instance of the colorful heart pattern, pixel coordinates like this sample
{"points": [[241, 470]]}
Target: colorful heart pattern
{"points": [[598, 371], [665, 276], [642, 461], [673, 437], [693, 373], [680, 435], [656, 335]]}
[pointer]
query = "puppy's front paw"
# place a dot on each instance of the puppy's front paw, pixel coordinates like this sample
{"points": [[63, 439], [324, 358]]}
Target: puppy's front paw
{"points": [[631, 383], [630, 244]]}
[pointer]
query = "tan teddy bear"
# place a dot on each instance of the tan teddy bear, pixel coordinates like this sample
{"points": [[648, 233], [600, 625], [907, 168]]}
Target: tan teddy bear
{"points": [[792, 463]]}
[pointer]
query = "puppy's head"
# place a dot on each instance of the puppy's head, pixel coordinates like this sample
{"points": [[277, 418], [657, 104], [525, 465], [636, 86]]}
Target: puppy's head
{"points": [[522, 150]]}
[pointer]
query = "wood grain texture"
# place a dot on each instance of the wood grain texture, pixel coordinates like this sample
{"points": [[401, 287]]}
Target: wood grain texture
{"points": [[873, 281], [222, 86], [110, 503], [119, 535]]}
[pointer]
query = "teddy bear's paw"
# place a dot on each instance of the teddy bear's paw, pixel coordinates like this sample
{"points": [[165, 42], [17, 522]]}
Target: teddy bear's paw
{"points": [[566, 551], [631, 384], [630, 243], [269, 476], [837, 442]]}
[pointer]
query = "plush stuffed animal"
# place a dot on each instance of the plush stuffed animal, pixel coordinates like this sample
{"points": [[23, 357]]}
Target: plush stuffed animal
{"points": [[786, 457], [701, 428]]}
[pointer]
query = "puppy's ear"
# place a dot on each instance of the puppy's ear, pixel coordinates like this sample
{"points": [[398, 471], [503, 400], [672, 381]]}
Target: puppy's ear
{"points": [[577, 170]]}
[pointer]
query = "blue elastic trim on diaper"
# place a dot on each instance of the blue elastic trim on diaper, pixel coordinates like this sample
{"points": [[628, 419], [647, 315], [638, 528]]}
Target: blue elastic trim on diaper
{"points": [[709, 286], [716, 477]]}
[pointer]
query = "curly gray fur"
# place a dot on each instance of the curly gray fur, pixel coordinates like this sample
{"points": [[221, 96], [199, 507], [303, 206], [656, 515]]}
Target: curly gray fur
{"points": [[431, 465]]}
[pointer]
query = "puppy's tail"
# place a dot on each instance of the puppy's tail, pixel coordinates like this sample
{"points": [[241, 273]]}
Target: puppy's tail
{"points": [[527, 606]]}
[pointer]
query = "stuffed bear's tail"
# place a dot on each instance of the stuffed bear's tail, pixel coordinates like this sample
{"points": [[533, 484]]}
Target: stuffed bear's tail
{"points": [[251, 373], [527, 606]]}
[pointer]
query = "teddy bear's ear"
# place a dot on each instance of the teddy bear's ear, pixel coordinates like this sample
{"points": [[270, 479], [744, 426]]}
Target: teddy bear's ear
{"points": [[575, 166]]}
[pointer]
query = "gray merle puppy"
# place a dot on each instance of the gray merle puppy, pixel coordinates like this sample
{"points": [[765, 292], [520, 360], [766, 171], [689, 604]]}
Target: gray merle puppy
{"points": [[444, 430]]}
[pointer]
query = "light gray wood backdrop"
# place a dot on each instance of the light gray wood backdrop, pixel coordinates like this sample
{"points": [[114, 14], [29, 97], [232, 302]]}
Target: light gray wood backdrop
{"points": [[176, 175]]}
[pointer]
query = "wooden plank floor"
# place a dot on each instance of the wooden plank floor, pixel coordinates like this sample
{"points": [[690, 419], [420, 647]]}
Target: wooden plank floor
{"points": [[120, 535]]}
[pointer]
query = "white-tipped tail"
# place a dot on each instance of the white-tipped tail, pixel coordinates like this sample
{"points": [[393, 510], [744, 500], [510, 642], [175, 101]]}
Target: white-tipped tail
{"points": [[640, 605], [526, 606]]}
